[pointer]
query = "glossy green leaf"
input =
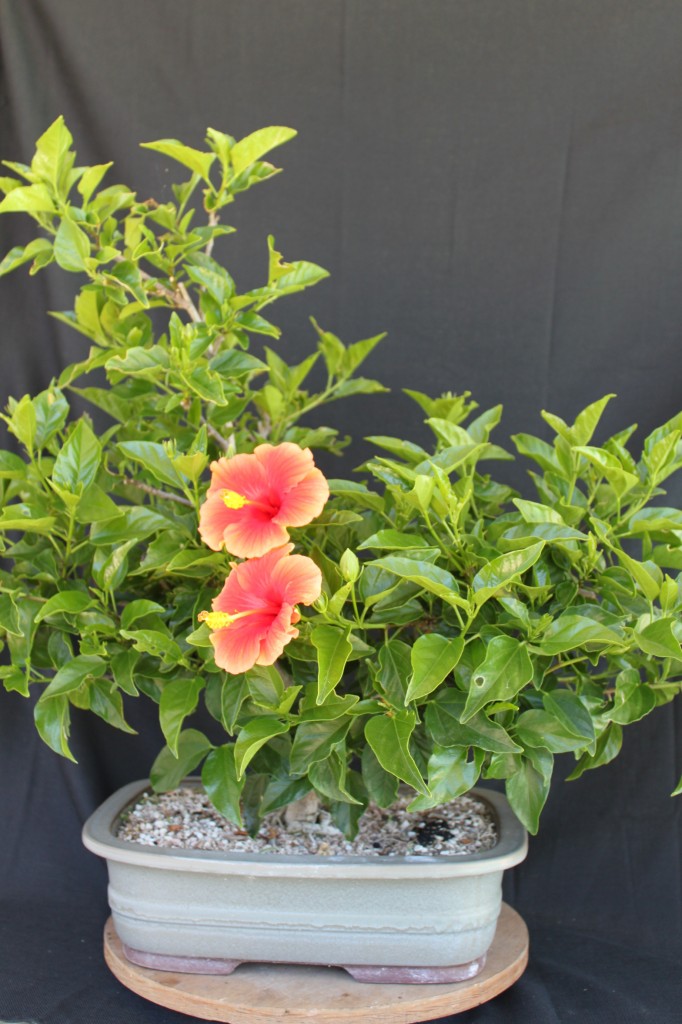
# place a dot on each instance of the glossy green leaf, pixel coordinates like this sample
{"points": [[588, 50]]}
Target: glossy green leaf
{"points": [[632, 700], [333, 650], [168, 771], [443, 721], [607, 747], [257, 144], [429, 577], [503, 570], [138, 609], [53, 721], [313, 741], [571, 712], [659, 640], [504, 671], [329, 778], [68, 602], [153, 457], [252, 737], [538, 728], [73, 674], [71, 246], [179, 699], [451, 774], [433, 659], [571, 632], [76, 465], [219, 779], [28, 199], [381, 785], [197, 162], [389, 737], [527, 792]]}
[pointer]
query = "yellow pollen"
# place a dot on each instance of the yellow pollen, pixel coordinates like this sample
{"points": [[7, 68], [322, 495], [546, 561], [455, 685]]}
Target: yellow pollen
{"points": [[234, 500], [219, 620]]}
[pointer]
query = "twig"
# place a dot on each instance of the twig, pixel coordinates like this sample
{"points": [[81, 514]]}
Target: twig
{"points": [[156, 492], [227, 444], [213, 219]]}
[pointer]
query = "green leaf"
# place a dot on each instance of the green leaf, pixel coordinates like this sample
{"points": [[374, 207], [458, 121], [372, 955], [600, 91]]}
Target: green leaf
{"points": [[282, 790], [587, 421], [73, 674], [51, 149], [504, 671], [53, 720], [256, 145], [106, 702], [633, 699], [137, 609], [570, 632], [333, 707], [389, 737], [219, 779], [607, 747], [28, 199], [394, 671], [533, 512], [11, 466], [645, 578], [168, 771], [381, 785], [313, 741], [333, 650], [252, 737], [71, 246], [9, 615], [393, 540], [329, 778], [154, 642], [504, 569], [659, 639], [18, 517], [90, 180], [179, 699], [429, 577], [450, 775], [67, 601], [443, 722], [21, 254], [153, 457], [433, 659], [265, 685], [538, 728], [77, 463], [527, 792], [198, 162], [571, 712]]}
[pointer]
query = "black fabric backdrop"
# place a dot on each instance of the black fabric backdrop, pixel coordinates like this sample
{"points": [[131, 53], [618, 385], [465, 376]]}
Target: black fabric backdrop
{"points": [[496, 184]]}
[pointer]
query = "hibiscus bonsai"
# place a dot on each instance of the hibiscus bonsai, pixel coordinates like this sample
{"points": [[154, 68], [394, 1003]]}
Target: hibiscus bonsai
{"points": [[419, 624]]}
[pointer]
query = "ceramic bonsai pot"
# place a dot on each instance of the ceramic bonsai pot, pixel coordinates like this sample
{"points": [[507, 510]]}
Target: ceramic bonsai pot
{"points": [[199, 911]]}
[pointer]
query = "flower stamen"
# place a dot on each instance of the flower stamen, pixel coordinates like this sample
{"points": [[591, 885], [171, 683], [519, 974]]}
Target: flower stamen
{"points": [[234, 500], [220, 620]]}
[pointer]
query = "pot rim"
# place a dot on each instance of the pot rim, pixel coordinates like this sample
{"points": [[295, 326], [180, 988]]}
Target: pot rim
{"points": [[98, 837]]}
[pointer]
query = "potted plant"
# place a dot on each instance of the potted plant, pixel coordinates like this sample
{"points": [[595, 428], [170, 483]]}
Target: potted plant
{"points": [[418, 626]]}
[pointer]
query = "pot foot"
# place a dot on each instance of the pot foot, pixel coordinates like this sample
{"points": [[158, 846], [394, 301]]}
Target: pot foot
{"points": [[416, 975], [367, 974], [180, 964]]}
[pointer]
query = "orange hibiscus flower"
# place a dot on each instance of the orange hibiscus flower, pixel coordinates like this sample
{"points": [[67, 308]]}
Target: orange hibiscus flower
{"points": [[254, 616], [252, 499]]}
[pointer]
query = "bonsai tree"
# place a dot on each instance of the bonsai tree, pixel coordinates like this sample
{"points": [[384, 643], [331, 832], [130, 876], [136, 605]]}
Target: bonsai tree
{"points": [[420, 624]]}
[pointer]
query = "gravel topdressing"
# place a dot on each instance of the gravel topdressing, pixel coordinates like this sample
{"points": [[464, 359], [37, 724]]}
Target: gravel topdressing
{"points": [[186, 819]]}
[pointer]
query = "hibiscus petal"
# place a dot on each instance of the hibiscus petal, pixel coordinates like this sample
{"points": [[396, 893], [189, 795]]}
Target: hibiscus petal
{"points": [[238, 647], [284, 464], [252, 534], [280, 633], [242, 474], [214, 517], [250, 584], [297, 579], [304, 502]]}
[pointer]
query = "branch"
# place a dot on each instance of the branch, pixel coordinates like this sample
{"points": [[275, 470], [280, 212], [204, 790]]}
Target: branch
{"points": [[227, 444], [156, 492]]}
